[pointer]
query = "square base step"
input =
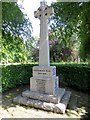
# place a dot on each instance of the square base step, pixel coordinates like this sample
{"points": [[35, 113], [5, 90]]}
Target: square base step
{"points": [[45, 97], [48, 106]]}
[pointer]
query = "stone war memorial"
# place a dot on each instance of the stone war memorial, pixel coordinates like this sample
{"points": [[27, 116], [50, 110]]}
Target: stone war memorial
{"points": [[44, 90]]}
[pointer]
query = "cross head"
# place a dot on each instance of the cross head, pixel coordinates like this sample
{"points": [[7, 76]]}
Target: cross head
{"points": [[43, 10]]}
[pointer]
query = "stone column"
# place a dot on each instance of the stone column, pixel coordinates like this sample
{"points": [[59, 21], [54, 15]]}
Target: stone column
{"points": [[43, 13], [44, 78]]}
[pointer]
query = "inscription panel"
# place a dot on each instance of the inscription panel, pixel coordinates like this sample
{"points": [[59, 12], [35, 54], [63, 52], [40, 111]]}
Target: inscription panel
{"points": [[44, 72], [43, 85], [40, 85]]}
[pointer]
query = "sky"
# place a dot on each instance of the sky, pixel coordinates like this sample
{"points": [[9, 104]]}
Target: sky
{"points": [[30, 6]]}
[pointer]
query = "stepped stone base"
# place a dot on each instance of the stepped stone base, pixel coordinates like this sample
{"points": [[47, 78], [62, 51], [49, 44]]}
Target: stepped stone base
{"points": [[55, 103], [45, 97]]}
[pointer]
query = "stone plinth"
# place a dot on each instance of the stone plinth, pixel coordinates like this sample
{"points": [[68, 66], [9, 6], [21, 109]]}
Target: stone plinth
{"points": [[45, 97], [44, 80], [44, 71], [44, 85], [58, 108]]}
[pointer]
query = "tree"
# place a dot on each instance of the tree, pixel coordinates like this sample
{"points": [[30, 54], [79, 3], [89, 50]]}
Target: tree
{"points": [[15, 27], [14, 21], [32, 48], [72, 18], [85, 32], [58, 50], [13, 49]]}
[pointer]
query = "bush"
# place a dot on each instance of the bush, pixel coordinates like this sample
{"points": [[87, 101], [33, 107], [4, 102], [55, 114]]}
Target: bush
{"points": [[14, 75], [72, 74], [75, 75]]}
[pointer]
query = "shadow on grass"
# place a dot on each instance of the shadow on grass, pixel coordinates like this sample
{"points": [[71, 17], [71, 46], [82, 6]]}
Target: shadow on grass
{"points": [[78, 105], [7, 97]]}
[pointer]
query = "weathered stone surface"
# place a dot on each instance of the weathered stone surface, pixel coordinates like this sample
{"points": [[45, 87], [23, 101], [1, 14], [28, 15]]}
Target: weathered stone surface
{"points": [[44, 71], [64, 102], [43, 12], [58, 108], [47, 85], [45, 97], [66, 97]]}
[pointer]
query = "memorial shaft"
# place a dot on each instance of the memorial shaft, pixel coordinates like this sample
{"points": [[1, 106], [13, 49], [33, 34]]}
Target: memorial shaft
{"points": [[44, 59], [43, 14], [44, 44]]}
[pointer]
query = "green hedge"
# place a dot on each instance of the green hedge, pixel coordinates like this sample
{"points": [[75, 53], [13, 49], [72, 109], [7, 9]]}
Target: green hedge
{"points": [[14, 75], [72, 75], [77, 76]]}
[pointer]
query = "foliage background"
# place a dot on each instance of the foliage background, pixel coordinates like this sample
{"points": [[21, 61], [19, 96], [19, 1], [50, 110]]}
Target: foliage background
{"points": [[16, 27], [74, 75], [71, 29]]}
